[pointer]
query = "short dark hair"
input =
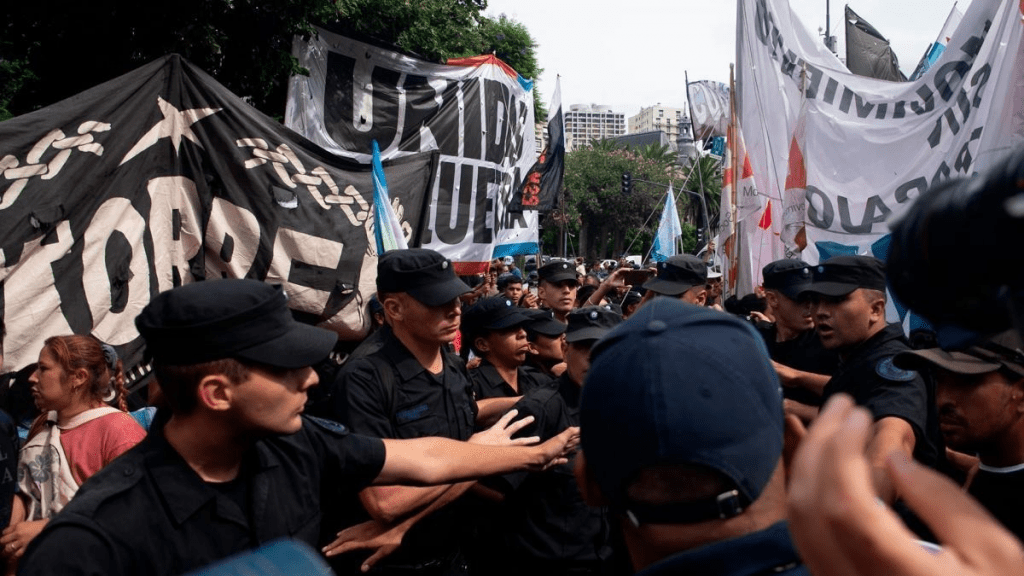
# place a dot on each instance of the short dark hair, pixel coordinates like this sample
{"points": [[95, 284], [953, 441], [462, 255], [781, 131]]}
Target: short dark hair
{"points": [[179, 383]]}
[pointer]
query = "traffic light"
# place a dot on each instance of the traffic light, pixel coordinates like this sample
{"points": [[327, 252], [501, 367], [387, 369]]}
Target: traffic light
{"points": [[700, 238], [627, 182]]}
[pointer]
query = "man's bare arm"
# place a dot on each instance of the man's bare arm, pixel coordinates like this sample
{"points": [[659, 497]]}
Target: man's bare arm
{"points": [[889, 435], [794, 378]]}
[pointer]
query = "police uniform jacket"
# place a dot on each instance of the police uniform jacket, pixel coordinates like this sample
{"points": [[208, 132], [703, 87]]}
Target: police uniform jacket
{"points": [[544, 522], [149, 513], [488, 383], [805, 353], [869, 376], [389, 394]]}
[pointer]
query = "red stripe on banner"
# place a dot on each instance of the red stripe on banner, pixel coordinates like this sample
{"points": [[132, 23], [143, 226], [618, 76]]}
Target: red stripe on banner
{"points": [[470, 268], [481, 60], [748, 170], [797, 177], [766, 218]]}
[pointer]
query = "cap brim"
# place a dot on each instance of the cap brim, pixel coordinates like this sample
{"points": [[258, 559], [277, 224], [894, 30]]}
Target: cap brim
{"points": [[549, 328], [794, 292], [509, 321], [956, 362], [302, 345], [828, 289], [590, 333], [439, 294], [667, 287], [560, 277]]}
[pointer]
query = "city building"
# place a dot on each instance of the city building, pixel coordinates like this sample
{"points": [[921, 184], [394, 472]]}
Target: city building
{"points": [[663, 118], [586, 122]]}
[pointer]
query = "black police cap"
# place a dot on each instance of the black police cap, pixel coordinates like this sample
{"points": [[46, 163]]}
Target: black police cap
{"points": [[678, 274], [421, 273], [841, 275], [789, 276], [557, 271], [591, 323], [218, 319]]}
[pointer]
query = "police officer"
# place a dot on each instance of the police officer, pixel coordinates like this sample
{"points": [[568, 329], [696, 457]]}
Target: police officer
{"points": [[848, 304], [494, 329], [557, 288], [544, 527], [414, 387], [803, 363], [234, 464], [545, 335], [682, 276]]}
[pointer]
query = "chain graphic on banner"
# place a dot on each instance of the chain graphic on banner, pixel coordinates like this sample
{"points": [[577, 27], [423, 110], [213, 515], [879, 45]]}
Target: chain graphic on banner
{"points": [[34, 166], [283, 156]]}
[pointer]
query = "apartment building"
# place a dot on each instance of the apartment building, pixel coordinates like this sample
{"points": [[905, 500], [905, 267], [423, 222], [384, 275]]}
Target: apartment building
{"points": [[586, 122]]}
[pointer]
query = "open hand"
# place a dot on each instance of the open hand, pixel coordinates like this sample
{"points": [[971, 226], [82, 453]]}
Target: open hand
{"points": [[501, 433], [841, 528], [380, 537], [558, 449]]}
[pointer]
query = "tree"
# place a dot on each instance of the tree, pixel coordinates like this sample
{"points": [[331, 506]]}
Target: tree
{"points": [[63, 47], [50, 50], [606, 221], [511, 42]]}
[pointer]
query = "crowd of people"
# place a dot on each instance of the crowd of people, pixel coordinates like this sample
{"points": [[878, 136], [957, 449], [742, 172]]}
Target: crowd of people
{"points": [[600, 422]]}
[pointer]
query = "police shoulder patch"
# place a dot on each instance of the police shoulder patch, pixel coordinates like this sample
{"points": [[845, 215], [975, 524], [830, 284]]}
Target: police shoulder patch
{"points": [[886, 369]]}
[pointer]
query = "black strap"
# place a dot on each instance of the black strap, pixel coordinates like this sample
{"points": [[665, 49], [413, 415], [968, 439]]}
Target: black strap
{"points": [[725, 505]]}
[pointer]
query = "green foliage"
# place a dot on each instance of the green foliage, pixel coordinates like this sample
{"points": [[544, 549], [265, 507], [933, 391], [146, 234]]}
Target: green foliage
{"points": [[706, 172], [71, 46], [511, 42], [52, 50], [604, 220]]}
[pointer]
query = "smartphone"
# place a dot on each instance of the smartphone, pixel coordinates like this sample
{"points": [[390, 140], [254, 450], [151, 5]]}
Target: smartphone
{"points": [[637, 277]]}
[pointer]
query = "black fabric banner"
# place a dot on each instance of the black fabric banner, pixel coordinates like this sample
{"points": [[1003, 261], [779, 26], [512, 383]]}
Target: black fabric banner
{"points": [[868, 52], [543, 183], [163, 177]]}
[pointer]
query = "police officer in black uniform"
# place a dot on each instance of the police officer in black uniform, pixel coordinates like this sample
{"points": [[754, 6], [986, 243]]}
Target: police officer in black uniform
{"points": [[544, 334], [234, 464], [414, 387], [557, 288], [544, 527], [803, 364], [848, 302], [494, 329], [682, 276]]}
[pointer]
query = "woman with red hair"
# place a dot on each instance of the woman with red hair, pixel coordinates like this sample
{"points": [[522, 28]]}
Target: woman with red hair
{"points": [[77, 434]]}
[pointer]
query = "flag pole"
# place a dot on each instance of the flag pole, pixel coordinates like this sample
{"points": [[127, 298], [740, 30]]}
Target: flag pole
{"points": [[733, 250], [700, 176]]}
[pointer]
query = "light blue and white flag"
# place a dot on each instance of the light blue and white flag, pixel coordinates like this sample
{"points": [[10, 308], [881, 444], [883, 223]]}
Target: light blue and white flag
{"points": [[668, 230], [387, 229]]}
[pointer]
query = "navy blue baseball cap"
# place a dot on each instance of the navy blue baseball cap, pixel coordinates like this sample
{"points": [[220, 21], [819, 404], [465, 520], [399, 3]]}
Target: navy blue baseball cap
{"points": [[232, 318], [678, 274], [841, 275], [678, 384], [421, 273]]}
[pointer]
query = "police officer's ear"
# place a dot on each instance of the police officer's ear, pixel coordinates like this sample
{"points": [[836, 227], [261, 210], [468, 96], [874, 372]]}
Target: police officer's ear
{"points": [[772, 298], [702, 297], [482, 344], [393, 306], [589, 489], [215, 392]]}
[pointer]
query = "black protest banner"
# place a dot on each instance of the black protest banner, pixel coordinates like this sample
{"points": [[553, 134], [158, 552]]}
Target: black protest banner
{"points": [[162, 177]]}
